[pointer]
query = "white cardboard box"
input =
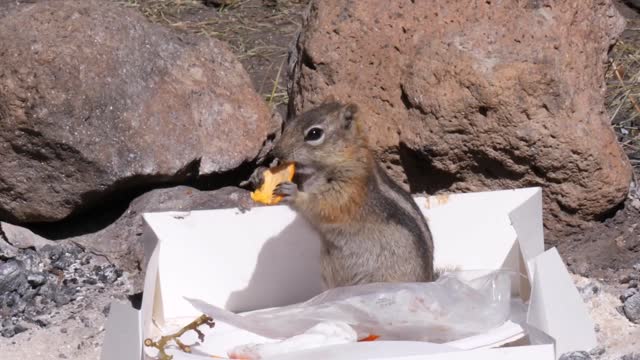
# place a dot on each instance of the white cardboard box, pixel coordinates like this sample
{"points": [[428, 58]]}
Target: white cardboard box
{"points": [[269, 257]]}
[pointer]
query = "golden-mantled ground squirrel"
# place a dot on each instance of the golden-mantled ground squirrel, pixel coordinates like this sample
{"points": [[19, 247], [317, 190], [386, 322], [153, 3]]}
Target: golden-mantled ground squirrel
{"points": [[372, 230]]}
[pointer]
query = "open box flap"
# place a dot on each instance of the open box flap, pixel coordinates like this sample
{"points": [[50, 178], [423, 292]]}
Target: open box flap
{"points": [[556, 306], [123, 338], [556, 311], [526, 219]]}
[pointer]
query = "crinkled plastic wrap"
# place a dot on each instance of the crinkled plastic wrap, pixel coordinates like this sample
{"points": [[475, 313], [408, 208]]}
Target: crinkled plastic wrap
{"points": [[457, 305]]}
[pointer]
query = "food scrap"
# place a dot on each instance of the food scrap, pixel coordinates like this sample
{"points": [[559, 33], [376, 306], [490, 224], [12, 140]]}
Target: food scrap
{"points": [[370, 338], [273, 177]]}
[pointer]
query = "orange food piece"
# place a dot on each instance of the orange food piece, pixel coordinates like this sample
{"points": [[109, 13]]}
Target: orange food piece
{"points": [[273, 177], [370, 338]]}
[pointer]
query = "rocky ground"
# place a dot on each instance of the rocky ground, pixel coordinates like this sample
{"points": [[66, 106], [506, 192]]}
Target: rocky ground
{"points": [[54, 295], [55, 301]]}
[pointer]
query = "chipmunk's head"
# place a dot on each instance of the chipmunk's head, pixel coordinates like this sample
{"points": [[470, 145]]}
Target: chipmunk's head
{"points": [[321, 137]]}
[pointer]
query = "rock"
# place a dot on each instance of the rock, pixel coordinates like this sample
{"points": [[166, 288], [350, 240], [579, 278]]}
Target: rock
{"points": [[7, 251], [95, 100], [588, 291], [119, 241], [108, 274], [634, 276], [631, 308], [12, 276], [21, 237], [598, 351], [632, 356], [576, 355], [628, 293], [460, 97], [36, 279]]}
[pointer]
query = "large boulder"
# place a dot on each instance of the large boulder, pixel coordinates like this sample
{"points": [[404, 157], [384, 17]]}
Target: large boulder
{"points": [[467, 96], [94, 99]]}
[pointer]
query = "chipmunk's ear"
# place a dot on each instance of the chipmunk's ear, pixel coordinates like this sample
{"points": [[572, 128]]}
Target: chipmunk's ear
{"points": [[349, 114]]}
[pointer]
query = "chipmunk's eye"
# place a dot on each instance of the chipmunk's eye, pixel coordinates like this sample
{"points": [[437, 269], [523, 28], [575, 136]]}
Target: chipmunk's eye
{"points": [[314, 136]]}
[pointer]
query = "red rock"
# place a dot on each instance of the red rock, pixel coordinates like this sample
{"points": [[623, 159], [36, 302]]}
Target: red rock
{"points": [[461, 96]]}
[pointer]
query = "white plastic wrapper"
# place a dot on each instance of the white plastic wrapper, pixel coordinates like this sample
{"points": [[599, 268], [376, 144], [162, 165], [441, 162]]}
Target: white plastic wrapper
{"points": [[457, 305]]}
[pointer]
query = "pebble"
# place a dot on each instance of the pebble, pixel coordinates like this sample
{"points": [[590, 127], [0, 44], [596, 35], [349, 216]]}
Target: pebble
{"points": [[12, 276], [598, 351], [632, 356], [576, 355], [631, 308], [628, 293], [589, 291], [109, 274], [628, 278], [36, 279]]}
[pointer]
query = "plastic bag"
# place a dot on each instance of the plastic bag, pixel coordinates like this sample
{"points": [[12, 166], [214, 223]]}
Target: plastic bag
{"points": [[457, 305]]}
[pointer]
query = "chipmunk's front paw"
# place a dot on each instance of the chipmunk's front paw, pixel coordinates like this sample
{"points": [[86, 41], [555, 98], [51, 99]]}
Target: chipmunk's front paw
{"points": [[256, 179], [288, 191]]}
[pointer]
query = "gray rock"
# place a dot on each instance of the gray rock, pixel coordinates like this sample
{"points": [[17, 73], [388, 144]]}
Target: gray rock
{"points": [[631, 308], [138, 106], [7, 250], [598, 351], [589, 291], [634, 276], [12, 276], [632, 356], [108, 274], [628, 293], [576, 355], [36, 279], [22, 238]]}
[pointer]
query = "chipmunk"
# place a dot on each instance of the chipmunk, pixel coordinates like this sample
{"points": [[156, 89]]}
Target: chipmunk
{"points": [[371, 228]]}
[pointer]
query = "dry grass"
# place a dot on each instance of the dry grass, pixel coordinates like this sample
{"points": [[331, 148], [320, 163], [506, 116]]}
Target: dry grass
{"points": [[248, 26], [623, 97]]}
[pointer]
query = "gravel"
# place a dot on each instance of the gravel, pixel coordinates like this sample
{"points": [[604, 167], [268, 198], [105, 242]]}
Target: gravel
{"points": [[576, 355], [35, 285]]}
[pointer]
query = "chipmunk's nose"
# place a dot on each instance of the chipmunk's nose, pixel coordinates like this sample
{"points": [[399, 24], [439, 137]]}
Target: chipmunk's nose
{"points": [[278, 152]]}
